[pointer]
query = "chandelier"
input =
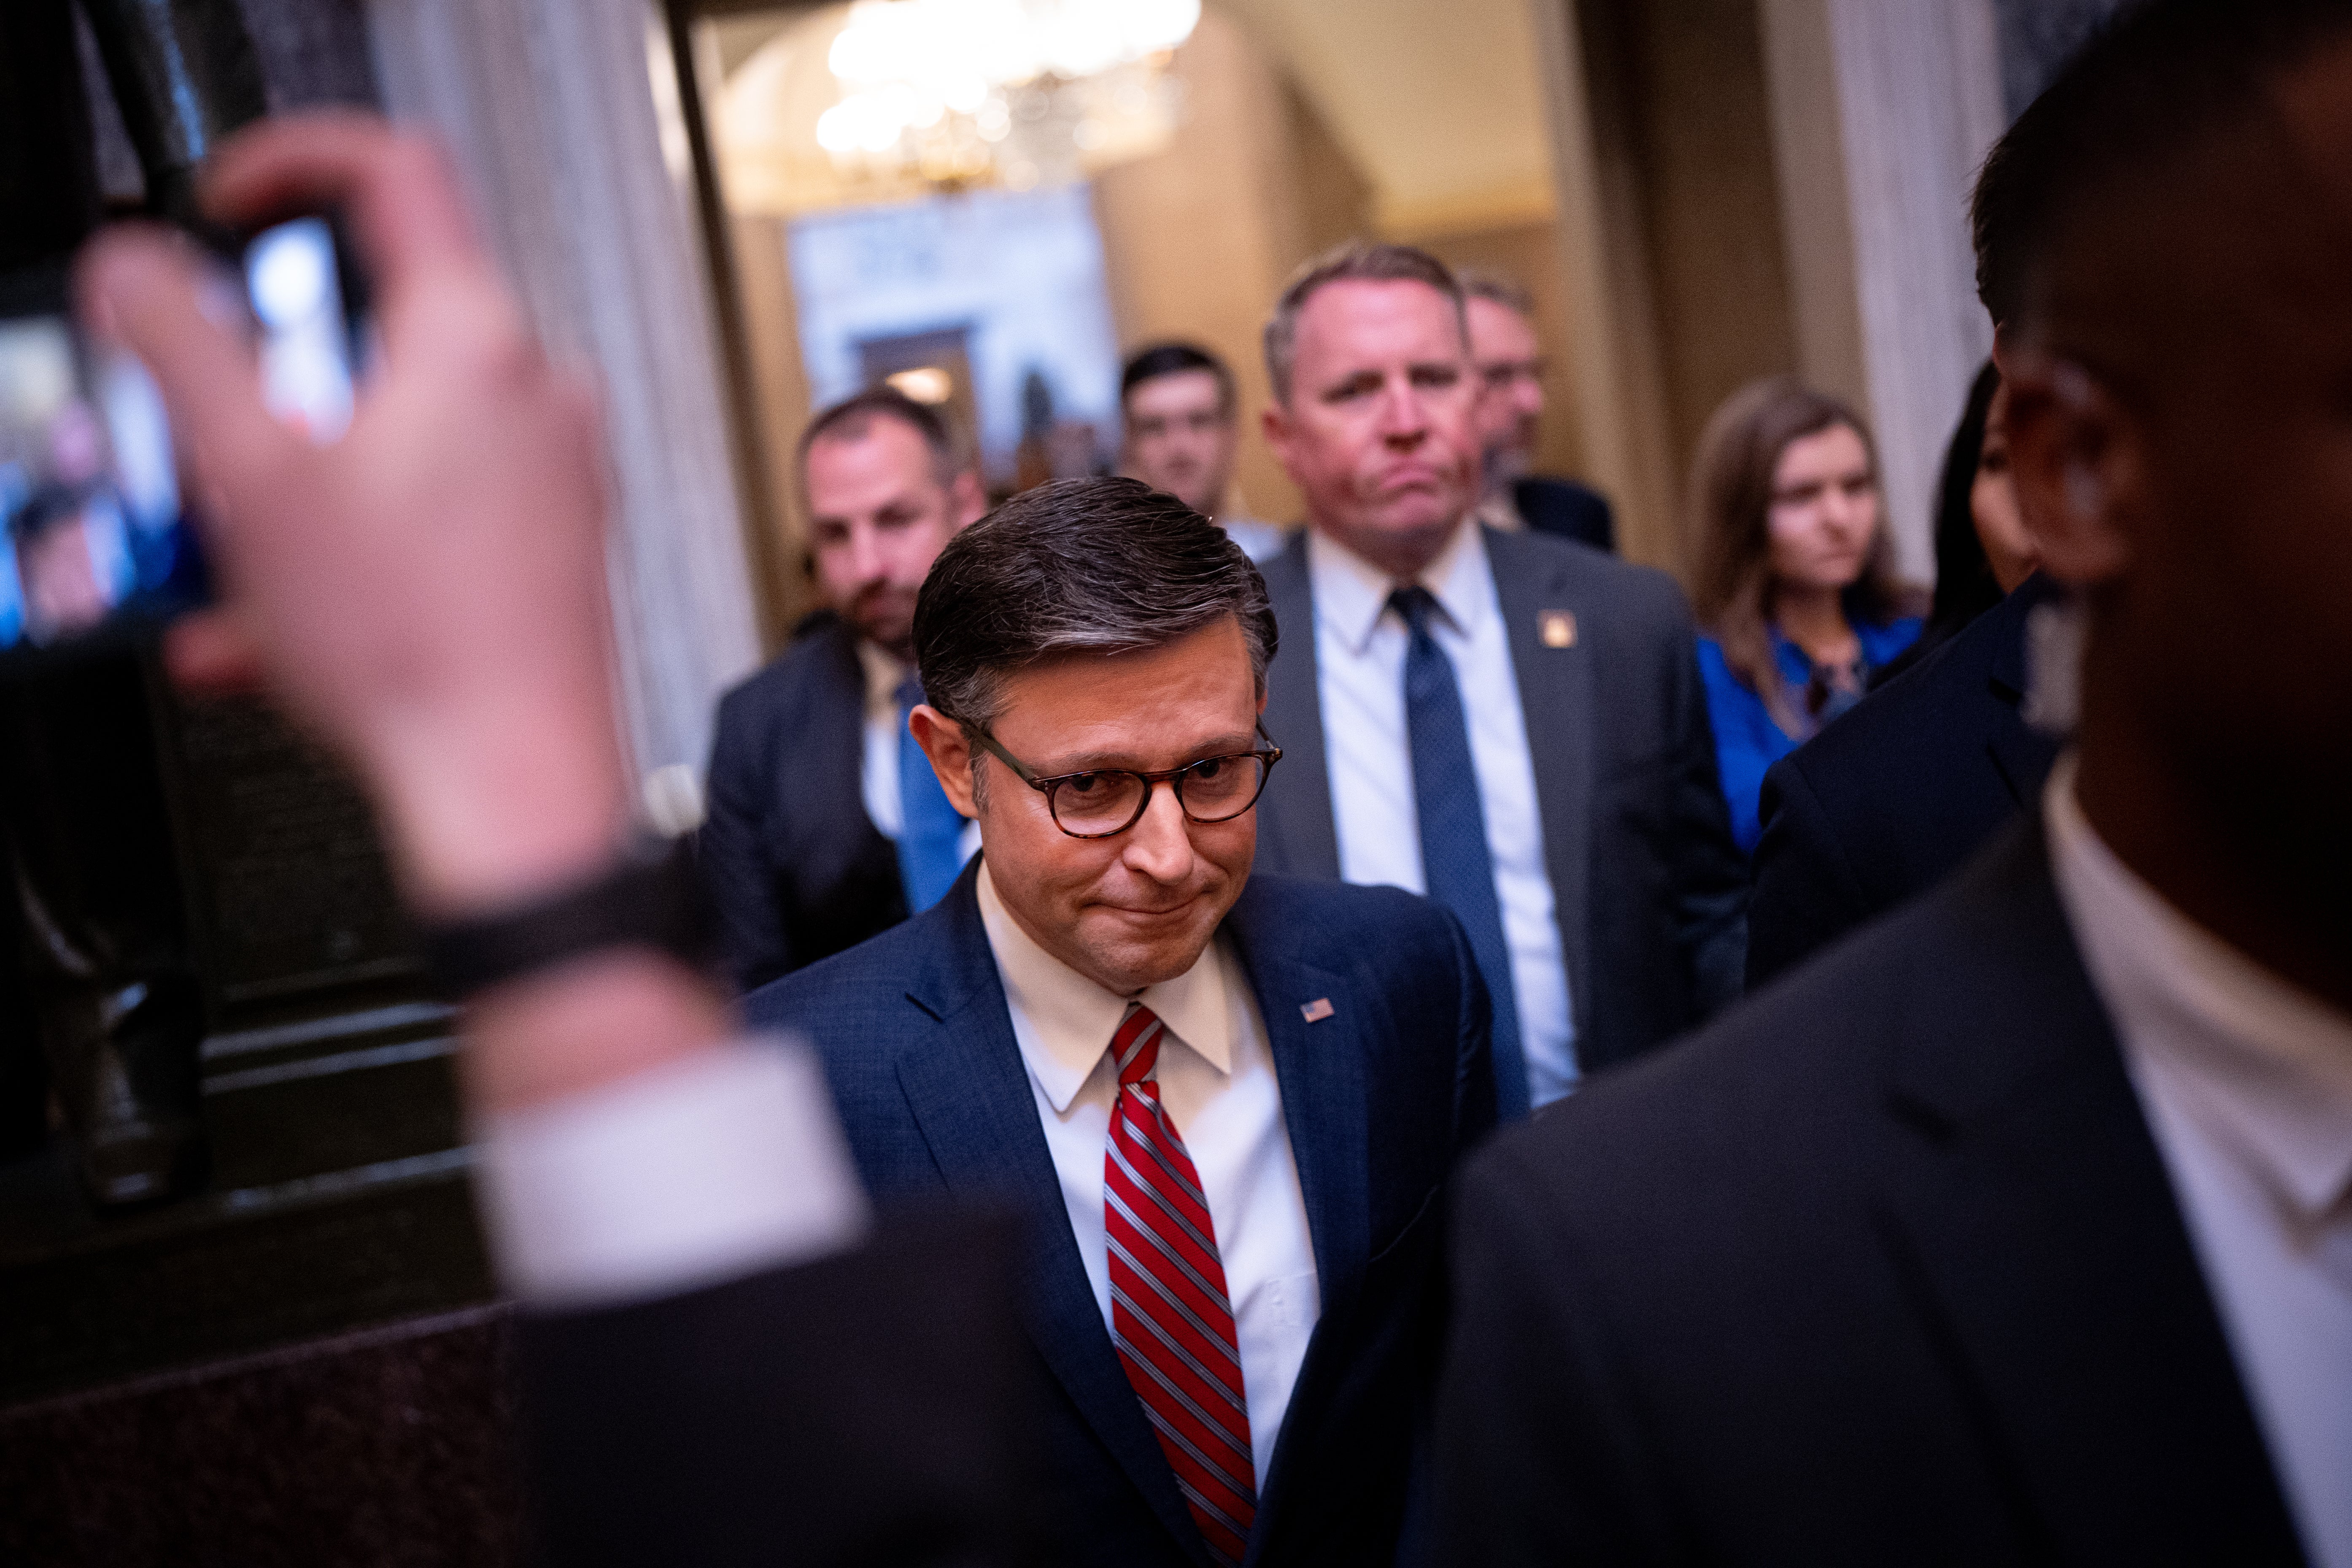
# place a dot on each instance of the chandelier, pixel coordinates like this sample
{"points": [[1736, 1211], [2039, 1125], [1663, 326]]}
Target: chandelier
{"points": [[952, 93]]}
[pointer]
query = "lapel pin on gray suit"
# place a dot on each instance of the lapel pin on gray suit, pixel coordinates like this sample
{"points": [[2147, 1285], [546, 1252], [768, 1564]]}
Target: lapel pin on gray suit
{"points": [[1506, 723]]}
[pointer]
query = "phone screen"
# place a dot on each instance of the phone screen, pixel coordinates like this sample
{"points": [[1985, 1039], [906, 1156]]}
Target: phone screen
{"points": [[98, 536]]}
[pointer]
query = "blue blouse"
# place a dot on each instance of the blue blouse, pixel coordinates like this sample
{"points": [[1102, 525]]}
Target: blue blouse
{"points": [[1746, 740]]}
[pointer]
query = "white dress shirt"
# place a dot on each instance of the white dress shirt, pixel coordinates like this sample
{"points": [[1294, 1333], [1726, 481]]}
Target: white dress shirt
{"points": [[1217, 1080], [877, 773], [1359, 649], [2247, 1086], [1500, 512]]}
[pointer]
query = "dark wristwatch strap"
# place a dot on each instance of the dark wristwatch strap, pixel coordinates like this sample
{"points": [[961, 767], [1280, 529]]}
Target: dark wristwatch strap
{"points": [[649, 896]]}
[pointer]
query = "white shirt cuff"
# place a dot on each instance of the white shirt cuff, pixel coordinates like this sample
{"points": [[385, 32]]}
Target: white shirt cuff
{"points": [[691, 1175]]}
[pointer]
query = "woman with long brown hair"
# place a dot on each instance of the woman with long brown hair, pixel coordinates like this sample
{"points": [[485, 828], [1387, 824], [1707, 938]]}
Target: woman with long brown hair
{"points": [[1795, 584]]}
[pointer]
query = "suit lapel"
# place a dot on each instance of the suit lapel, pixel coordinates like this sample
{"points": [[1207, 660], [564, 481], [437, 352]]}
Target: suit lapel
{"points": [[1320, 1069], [968, 1088], [1556, 698], [2028, 1202], [837, 719], [2021, 755], [1296, 832], [831, 782]]}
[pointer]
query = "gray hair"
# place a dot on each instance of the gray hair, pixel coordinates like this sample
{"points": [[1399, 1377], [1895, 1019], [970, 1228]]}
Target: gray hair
{"points": [[1357, 261], [1100, 566], [1498, 288]]}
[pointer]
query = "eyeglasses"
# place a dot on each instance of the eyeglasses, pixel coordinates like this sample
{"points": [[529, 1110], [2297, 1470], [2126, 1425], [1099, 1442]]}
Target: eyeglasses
{"points": [[1110, 801], [1501, 374]]}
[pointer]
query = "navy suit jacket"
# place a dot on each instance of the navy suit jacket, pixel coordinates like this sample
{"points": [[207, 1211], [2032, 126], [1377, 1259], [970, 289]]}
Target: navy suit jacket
{"points": [[1566, 510], [1898, 794], [1652, 893], [1378, 1098], [1884, 1266], [796, 869]]}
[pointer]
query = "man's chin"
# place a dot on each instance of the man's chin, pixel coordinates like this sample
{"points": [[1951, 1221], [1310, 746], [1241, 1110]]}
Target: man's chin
{"points": [[896, 633], [1134, 949], [1509, 465], [1422, 516]]}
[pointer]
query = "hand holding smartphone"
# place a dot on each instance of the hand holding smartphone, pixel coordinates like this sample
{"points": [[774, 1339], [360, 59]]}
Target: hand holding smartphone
{"points": [[95, 543]]}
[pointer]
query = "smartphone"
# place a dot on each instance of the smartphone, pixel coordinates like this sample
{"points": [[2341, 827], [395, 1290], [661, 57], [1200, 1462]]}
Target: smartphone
{"points": [[97, 543]]}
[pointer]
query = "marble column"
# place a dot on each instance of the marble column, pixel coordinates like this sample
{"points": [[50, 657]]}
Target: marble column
{"points": [[1882, 111], [550, 108]]}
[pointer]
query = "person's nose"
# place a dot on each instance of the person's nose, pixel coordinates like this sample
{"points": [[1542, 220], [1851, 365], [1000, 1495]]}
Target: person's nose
{"points": [[865, 563], [1527, 397], [1846, 514], [1404, 420], [1160, 846]]}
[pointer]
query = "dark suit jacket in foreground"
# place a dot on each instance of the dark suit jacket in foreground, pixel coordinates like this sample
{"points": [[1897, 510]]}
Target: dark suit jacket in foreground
{"points": [[1883, 1267], [1566, 510], [796, 869], [866, 1408], [1378, 1098], [1893, 797], [1652, 893]]}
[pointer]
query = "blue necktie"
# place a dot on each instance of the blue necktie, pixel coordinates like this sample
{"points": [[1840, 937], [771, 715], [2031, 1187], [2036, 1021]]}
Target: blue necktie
{"points": [[1456, 866], [931, 830]]}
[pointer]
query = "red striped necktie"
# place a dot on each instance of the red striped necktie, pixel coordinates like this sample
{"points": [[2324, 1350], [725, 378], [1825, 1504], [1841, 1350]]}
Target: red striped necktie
{"points": [[1170, 1316]]}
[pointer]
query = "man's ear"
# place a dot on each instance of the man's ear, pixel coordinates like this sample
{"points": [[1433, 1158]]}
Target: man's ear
{"points": [[1273, 423], [966, 497], [942, 739], [2078, 460]]}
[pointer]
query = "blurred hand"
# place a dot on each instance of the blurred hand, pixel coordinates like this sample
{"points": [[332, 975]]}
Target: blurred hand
{"points": [[428, 593]]}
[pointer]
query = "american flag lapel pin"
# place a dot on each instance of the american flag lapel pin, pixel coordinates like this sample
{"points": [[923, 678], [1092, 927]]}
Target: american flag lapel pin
{"points": [[1315, 1012]]}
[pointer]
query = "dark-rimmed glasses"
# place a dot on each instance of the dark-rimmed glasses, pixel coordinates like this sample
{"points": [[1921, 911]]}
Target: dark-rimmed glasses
{"points": [[1103, 802]]}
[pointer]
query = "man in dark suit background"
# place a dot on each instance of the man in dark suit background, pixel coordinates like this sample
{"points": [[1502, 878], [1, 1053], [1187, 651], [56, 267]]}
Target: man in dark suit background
{"points": [[2016, 1229], [1895, 795], [1501, 316], [1224, 1103], [808, 848], [1510, 724]]}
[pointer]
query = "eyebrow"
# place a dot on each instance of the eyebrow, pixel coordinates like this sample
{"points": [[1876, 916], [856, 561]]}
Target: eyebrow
{"points": [[1125, 762], [1355, 380]]}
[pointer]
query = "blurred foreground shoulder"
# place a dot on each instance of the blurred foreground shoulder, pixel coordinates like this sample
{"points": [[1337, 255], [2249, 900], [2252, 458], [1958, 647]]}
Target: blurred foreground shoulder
{"points": [[812, 1414]]}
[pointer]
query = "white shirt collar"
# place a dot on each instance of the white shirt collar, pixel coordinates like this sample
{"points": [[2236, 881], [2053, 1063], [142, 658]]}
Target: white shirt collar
{"points": [[2271, 1064], [1352, 594], [884, 672], [1071, 1018], [1500, 512]]}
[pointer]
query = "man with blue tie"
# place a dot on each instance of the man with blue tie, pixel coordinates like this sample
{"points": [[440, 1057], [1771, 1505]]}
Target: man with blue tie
{"points": [[1511, 723], [1226, 1105], [826, 826]]}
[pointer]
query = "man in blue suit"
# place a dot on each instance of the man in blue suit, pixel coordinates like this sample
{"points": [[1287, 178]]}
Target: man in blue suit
{"points": [[1226, 1105]]}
